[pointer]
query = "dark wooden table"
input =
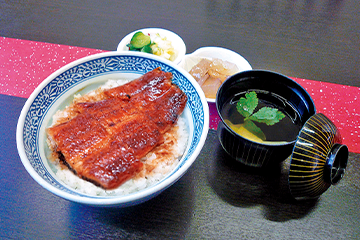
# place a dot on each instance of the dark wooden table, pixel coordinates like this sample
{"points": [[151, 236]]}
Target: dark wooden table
{"points": [[217, 198], [312, 39]]}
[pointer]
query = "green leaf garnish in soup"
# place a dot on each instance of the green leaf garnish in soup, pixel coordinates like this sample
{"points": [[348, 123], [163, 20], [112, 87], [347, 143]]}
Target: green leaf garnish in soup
{"points": [[268, 115], [251, 126], [247, 105], [248, 130], [146, 49]]}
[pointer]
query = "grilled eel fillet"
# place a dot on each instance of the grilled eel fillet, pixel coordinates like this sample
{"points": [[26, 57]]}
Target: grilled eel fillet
{"points": [[105, 141]]}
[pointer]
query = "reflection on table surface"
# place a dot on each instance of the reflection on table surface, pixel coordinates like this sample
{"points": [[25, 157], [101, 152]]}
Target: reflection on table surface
{"points": [[217, 198]]}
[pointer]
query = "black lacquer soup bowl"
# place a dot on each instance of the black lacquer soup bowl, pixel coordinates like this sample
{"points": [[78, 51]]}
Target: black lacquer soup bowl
{"points": [[318, 158], [274, 87]]}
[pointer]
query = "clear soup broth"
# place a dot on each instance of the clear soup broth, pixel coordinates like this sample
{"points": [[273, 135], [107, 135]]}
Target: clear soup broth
{"points": [[286, 130]]}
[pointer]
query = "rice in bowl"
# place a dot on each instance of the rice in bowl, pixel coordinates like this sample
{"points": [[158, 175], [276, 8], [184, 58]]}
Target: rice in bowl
{"points": [[158, 163]]}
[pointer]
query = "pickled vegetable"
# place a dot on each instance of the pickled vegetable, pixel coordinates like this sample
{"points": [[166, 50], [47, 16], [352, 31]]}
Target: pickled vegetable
{"points": [[139, 40], [154, 44]]}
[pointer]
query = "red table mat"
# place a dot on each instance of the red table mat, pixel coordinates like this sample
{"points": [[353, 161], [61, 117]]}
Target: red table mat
{"points": [[25, 64]]}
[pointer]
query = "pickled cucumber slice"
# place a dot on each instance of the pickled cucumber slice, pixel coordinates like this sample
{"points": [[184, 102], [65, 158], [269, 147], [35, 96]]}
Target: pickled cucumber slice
{"points": [[146, 49], [139, 40]]}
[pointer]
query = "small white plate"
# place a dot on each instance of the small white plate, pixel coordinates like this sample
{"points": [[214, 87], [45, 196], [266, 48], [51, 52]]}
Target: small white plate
{"points": [[176, 41], [224, 54]]}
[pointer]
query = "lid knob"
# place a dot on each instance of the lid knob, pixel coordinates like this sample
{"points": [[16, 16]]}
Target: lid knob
{"points": [[318, 160], [336, 163]]}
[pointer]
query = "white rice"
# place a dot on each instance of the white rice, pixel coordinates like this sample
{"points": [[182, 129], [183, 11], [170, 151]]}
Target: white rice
{"points": [[157, 163]]}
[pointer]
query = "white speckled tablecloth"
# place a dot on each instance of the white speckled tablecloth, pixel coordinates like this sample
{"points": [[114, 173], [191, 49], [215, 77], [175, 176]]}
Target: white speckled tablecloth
{"points": [[25, 64]]}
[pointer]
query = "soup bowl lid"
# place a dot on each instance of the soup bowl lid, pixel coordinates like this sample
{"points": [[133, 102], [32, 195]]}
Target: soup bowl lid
{"points": [[318, 159]]}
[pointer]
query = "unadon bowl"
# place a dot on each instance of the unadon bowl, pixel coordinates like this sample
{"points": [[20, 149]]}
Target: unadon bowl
{"points": [[81, 76]]}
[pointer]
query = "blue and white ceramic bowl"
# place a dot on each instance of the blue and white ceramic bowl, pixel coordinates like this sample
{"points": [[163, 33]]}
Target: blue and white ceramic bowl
{"points": [[86, 74]]}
